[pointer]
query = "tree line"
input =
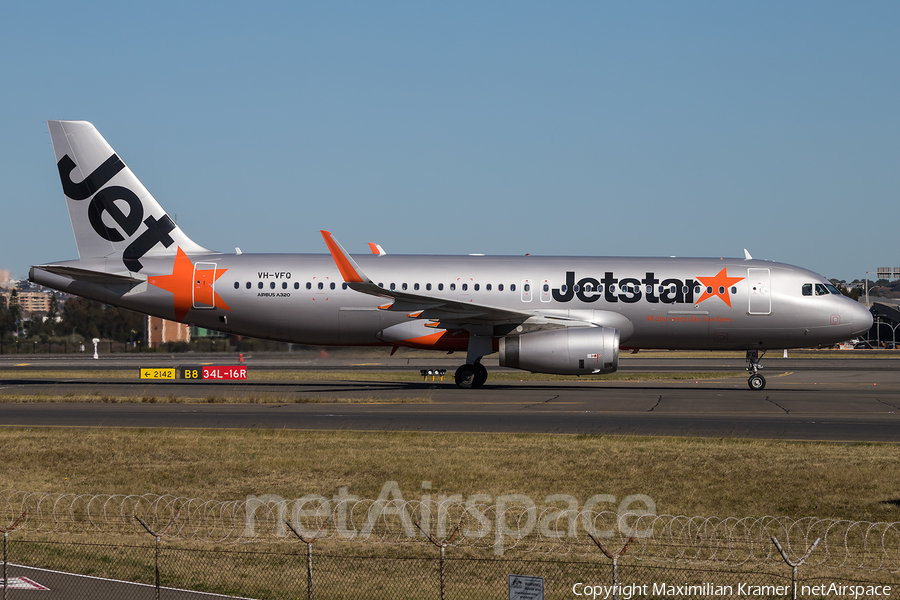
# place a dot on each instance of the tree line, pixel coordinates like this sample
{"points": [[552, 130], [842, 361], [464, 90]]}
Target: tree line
{"points": [[77, 317]]}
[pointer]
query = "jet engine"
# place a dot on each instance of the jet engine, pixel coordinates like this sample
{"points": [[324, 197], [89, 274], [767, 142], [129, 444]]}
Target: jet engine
{"points": [[570, 351]]}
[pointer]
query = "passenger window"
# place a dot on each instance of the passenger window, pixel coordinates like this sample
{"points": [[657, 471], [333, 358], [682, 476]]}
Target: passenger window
{"points": [[284, 285], [428, 286], [393, 286], [260, 285], [272, 285], [237, 285], [465, 287], [343, 286], [500, 287], [321, 285], [820, 290], [403, 287], [332, 285], [721, 289], [381, 285], [527, 287], [477, 287], [296, 285], [733, 290], [562, 288], [709, 289], [249, 285], [416, 287], [440, 287], [546, 288], [308, 285], [488, 287], [512, 287], [696, 289]]}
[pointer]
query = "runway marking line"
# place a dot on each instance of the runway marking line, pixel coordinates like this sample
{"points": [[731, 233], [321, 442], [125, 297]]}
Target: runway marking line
{"points": [[22, 365], [23, 583], [122, 581]]}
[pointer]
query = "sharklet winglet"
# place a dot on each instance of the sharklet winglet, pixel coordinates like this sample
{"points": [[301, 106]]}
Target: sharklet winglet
{"points": [[350, 271]]}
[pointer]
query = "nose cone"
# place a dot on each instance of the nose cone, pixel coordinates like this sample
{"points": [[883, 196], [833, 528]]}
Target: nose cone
{"points": [[860, 317]]}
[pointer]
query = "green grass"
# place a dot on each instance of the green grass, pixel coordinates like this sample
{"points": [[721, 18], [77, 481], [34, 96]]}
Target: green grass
{"points": [[683, 476]]}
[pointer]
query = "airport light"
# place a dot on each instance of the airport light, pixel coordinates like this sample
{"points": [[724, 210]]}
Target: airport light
{"points": [[881, 273]]}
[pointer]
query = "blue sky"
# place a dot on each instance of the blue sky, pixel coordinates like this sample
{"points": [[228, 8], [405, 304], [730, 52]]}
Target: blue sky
{"points": [[578, 128]]}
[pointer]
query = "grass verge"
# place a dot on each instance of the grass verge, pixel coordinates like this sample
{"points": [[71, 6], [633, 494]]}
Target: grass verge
{"points": [[682, 475]]}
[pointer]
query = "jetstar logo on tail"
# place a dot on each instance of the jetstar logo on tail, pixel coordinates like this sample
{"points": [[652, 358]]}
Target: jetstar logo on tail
{"points": [[650, 288], [106, 202], [190, 286]]}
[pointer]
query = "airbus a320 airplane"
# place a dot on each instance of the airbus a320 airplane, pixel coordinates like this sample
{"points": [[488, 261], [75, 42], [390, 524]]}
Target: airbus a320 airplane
{"points": [[562, 315]]}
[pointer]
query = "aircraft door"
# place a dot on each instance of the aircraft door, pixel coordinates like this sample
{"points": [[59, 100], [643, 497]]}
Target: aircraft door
{"points": [[526, 290], [204, 284], [759, 281]]}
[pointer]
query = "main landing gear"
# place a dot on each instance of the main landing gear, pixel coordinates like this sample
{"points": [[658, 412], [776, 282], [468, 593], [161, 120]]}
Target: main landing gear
{"points": [[471, 376], [756, 381]]}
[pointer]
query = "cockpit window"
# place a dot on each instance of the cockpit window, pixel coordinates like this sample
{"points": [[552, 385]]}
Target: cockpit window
{"points": [[832, 289], [807, 289], [821, 290]]}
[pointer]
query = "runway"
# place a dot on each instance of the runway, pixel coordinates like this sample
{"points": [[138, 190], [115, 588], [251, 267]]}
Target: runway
{"points": [[847, 400]]}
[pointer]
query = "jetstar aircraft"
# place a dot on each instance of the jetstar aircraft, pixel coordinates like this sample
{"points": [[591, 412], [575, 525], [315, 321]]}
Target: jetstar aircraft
{"points": [[563, 315]]}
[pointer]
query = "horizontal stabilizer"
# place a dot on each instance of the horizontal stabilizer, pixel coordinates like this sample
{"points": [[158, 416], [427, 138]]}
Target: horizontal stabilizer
{"points": [[88, 276]]}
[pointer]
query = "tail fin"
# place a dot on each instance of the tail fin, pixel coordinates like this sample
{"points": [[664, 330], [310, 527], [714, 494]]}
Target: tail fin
{"points": [[113, 215]]}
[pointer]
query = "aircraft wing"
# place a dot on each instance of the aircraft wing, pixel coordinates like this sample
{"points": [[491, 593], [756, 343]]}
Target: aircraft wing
{"points": [[451, 313]]}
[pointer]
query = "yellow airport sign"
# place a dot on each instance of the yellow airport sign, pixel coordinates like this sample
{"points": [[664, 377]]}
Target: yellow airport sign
{"points": [[158, 373]]}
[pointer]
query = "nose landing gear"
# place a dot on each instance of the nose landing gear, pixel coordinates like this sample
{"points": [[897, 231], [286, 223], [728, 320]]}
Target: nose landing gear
{"points": [[756, 381]]}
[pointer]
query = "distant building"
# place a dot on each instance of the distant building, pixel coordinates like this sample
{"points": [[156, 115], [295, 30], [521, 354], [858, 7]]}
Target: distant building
{"points": [[29, 302], [159, 331]]}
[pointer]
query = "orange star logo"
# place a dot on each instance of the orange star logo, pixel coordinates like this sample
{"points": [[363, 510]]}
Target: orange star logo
{"points": [[720, 285], [190, 286]]}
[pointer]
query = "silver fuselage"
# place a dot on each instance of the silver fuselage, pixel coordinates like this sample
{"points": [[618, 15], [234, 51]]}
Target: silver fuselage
{"points": [[302, 298]]}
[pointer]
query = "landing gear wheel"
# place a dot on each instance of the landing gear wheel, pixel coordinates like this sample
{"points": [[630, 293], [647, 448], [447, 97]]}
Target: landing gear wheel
{"points": [[481, 375], [470, 376], [466, 376], [756, 382]]}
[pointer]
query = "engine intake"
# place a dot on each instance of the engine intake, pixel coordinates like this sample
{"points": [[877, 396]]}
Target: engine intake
{"points": [[570, 351]]}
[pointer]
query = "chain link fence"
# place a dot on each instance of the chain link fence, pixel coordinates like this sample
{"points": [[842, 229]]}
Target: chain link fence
{"points": [[161, 546]]}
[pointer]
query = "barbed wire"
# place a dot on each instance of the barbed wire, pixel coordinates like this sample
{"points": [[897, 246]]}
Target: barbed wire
{"points": [[513, 525]]}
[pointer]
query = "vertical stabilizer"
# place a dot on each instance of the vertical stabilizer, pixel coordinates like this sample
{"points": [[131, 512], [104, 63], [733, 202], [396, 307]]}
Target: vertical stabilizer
{"points": [[113, 215]]}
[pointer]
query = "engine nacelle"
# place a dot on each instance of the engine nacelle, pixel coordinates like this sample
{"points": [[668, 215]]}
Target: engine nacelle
{"points": [[570, 351]]}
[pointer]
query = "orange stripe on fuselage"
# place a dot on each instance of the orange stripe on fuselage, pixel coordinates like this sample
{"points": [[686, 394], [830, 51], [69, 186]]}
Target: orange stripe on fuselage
{"points": [[441, 340]]}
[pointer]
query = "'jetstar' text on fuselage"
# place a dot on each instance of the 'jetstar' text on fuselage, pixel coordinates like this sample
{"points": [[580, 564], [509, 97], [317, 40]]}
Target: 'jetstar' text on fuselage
{"points": [[629, 289]]}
